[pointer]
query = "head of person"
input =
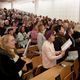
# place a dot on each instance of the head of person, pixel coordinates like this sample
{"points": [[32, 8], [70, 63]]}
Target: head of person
{"points": [[13, 23], [65, 25], [35, 28], [59, 29], [22, 29], [70, 30], [1, 24], [8, 44], [50, 36], [59, 22], [6, 22], [53, 27], [40, 27], [9, 31]]}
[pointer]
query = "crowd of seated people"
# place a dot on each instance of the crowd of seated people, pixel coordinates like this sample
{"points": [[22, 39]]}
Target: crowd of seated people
{"points": [[24, 26]]}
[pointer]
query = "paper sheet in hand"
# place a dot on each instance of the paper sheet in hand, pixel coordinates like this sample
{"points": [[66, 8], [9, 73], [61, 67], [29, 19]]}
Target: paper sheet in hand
{"points": [[25, 52], [66, 45]]}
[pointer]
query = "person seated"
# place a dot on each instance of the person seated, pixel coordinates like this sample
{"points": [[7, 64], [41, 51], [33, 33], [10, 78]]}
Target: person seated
{"points": [[22, 37], [59, 40], [11, 64], [60, 37], [11, 31], [2, 28], [33, 35], [69, 33]]}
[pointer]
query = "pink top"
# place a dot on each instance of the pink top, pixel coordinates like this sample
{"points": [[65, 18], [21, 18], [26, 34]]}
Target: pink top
{"points": [[48, 55]]}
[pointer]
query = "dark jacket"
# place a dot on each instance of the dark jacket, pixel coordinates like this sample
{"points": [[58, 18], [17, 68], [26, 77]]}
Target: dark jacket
{"points": [[72, 47], [59, 41], [2, 31], [8, 68], [76, 36]]}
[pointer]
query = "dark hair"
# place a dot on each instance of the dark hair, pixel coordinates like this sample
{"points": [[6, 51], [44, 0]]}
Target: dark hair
{"points": [[10, 30], [20, 29], [57, 28], [69, 29]]}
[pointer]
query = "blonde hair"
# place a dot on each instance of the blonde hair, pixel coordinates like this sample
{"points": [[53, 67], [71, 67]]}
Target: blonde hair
{"points": [[3, 45], [39, 26]]}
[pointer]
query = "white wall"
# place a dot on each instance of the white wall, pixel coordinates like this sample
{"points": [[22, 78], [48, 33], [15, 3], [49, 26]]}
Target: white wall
{"points": [[23, 5], [5, 5], [63, 9]]}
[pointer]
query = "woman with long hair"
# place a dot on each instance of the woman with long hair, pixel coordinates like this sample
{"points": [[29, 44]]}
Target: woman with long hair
{"points": [[40, 37], [10, 63]]}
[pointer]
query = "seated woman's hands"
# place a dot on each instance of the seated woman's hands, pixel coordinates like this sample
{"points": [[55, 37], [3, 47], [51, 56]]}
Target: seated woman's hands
{"points": [[60, 52]]}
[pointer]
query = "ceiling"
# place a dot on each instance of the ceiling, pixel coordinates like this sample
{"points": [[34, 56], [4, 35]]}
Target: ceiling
{"points": [[16, 0], [6, 0]]}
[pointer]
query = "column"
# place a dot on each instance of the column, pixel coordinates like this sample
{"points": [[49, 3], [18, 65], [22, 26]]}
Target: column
{"points": [[36, 5], [11, 4], [79, 10]]}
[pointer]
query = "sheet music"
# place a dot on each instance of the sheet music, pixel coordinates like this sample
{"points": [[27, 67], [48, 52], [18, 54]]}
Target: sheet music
{"points": [[72, 55], [66, 45], [25, 52]]}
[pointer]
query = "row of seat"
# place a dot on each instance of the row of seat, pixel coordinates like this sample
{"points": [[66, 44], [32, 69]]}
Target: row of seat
{"points": [[34, 67], [66, 73], [59, 72]]}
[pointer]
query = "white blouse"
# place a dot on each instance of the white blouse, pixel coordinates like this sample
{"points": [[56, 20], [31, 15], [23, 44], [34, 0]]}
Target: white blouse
{"points": [[49, 55]]}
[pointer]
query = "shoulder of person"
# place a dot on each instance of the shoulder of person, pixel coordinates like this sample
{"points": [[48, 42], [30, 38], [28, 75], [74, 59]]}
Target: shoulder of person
{"points": [[3, 53]]}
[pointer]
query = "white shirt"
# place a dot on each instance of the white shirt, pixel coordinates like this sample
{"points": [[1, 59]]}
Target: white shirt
{"points": [[48, 55], [40, 40]]}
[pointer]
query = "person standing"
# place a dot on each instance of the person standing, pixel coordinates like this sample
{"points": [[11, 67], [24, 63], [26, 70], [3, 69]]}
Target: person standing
{"points": [[49, 55]]}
